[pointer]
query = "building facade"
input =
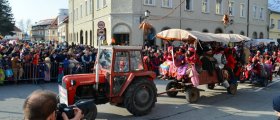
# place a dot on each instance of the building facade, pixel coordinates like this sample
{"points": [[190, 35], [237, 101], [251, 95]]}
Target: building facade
{"points": [[63, 30], [274, 27], [41, 31], [81, 22], [18, 34], [52, 31], [62, 21], [123, 17]]}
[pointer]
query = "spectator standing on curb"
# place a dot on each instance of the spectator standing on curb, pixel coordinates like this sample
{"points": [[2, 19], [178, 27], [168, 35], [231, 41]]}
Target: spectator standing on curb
{"points": [[60, 73], [15, 67], [276, 106], [47, 69]]}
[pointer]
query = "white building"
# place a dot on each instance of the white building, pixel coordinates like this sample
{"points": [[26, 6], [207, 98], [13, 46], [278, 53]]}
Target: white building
{"points": [[122, 18], [62, 22]]}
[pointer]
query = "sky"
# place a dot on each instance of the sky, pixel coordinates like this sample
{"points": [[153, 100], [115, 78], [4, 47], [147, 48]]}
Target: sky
{"points": [[36, 10]]}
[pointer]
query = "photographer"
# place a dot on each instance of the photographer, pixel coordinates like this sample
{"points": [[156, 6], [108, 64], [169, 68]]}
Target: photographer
{"points": [[42, 105], [276, 106]]}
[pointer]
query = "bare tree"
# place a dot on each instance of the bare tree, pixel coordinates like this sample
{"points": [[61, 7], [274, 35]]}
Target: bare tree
{"points": [[24, 25], [21, 25], [28, 25]]}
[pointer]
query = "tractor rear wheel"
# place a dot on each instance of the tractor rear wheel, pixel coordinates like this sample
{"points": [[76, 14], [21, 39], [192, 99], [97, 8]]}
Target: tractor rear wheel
{"points": [[140, 97], [192, 95], [169, 86]]}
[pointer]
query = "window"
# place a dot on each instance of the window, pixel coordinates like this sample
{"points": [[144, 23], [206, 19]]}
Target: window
{"points": [[231, 8], [121, 62], [105, 59], [205, 6], [81, 11], [255, 11], [167, 3], [149, 2], [242, 33], [271, 23], [86, 8], [101, 4], [261, 35], [136, 61], [279, 24], [261, 14], [218, 6], [242, 10], [189, 4]]}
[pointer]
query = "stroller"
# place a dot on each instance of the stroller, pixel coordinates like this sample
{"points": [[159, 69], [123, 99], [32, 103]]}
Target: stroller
{"points": [[259, 78]]}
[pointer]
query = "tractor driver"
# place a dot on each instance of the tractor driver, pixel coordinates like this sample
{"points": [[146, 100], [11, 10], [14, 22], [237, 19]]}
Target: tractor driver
{"points": [[123, 65]]}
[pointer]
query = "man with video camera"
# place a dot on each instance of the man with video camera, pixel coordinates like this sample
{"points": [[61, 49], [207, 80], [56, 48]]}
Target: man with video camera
{"points": [[42, 105], [276, 106]]}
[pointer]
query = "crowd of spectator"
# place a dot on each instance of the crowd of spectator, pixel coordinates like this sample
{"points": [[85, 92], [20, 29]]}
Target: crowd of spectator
{"points": [[43, 61]]}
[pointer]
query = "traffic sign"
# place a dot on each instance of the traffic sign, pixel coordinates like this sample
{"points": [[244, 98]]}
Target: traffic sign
{"points": [[101, 24], [102, 38], [101, 32]]}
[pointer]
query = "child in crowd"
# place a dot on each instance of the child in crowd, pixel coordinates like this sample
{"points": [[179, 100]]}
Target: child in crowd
{"points": [[60, 73]]}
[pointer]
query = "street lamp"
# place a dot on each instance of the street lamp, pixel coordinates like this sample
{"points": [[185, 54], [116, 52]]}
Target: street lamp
{"points": [[146, 15]]}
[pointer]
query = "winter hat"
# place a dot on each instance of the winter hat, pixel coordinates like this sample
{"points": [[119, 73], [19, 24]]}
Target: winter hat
{"points": [[276, 104], [191, 49]]}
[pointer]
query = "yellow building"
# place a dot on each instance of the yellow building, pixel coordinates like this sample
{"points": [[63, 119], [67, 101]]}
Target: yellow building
{"points": [[274, 31]]}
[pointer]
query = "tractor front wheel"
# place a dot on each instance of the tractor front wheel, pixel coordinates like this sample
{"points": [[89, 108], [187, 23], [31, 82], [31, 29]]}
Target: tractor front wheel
{"points": [[140, 97], [91, 115]]}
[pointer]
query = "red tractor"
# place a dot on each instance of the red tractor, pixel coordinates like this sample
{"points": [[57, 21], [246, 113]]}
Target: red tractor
{"points": [[122, 81]]}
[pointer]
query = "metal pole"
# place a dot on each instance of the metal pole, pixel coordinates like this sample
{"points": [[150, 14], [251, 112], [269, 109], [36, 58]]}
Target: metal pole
{"points": [[97, 62]]}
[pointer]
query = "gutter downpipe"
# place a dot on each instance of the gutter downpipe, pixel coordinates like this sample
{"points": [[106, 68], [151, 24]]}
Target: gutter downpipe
{"points": [[248, 17]]}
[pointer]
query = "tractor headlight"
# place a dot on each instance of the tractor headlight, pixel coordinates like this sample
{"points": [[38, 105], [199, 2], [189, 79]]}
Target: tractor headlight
{"points": [[73, 82]]}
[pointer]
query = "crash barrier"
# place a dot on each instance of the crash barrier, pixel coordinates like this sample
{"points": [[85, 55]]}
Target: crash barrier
{"points": [[40, 73]]}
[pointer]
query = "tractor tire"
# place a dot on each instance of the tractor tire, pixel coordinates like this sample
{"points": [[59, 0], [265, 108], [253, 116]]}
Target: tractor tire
{"points": [[265, 82], [140, 97], [232, 89], [170, 85], [91, 114], [192, 95], [211, 86]]}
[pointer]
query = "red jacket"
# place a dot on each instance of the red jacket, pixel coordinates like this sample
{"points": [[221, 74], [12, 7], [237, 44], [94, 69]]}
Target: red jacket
{"points": [[230, 62], [257, 69]]}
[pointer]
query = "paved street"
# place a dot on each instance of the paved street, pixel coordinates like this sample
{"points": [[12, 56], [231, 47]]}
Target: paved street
{"points": [[250, 103]]}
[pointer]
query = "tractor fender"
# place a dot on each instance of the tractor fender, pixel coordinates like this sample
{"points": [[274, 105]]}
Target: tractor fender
{"points": [[149, 74]]}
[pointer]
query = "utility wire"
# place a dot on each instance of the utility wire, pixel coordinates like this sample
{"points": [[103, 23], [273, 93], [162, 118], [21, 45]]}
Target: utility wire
{"points": [[171, 12]]}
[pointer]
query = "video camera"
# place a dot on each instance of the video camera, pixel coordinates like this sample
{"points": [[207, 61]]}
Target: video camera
{"points": [[86, 107]]}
